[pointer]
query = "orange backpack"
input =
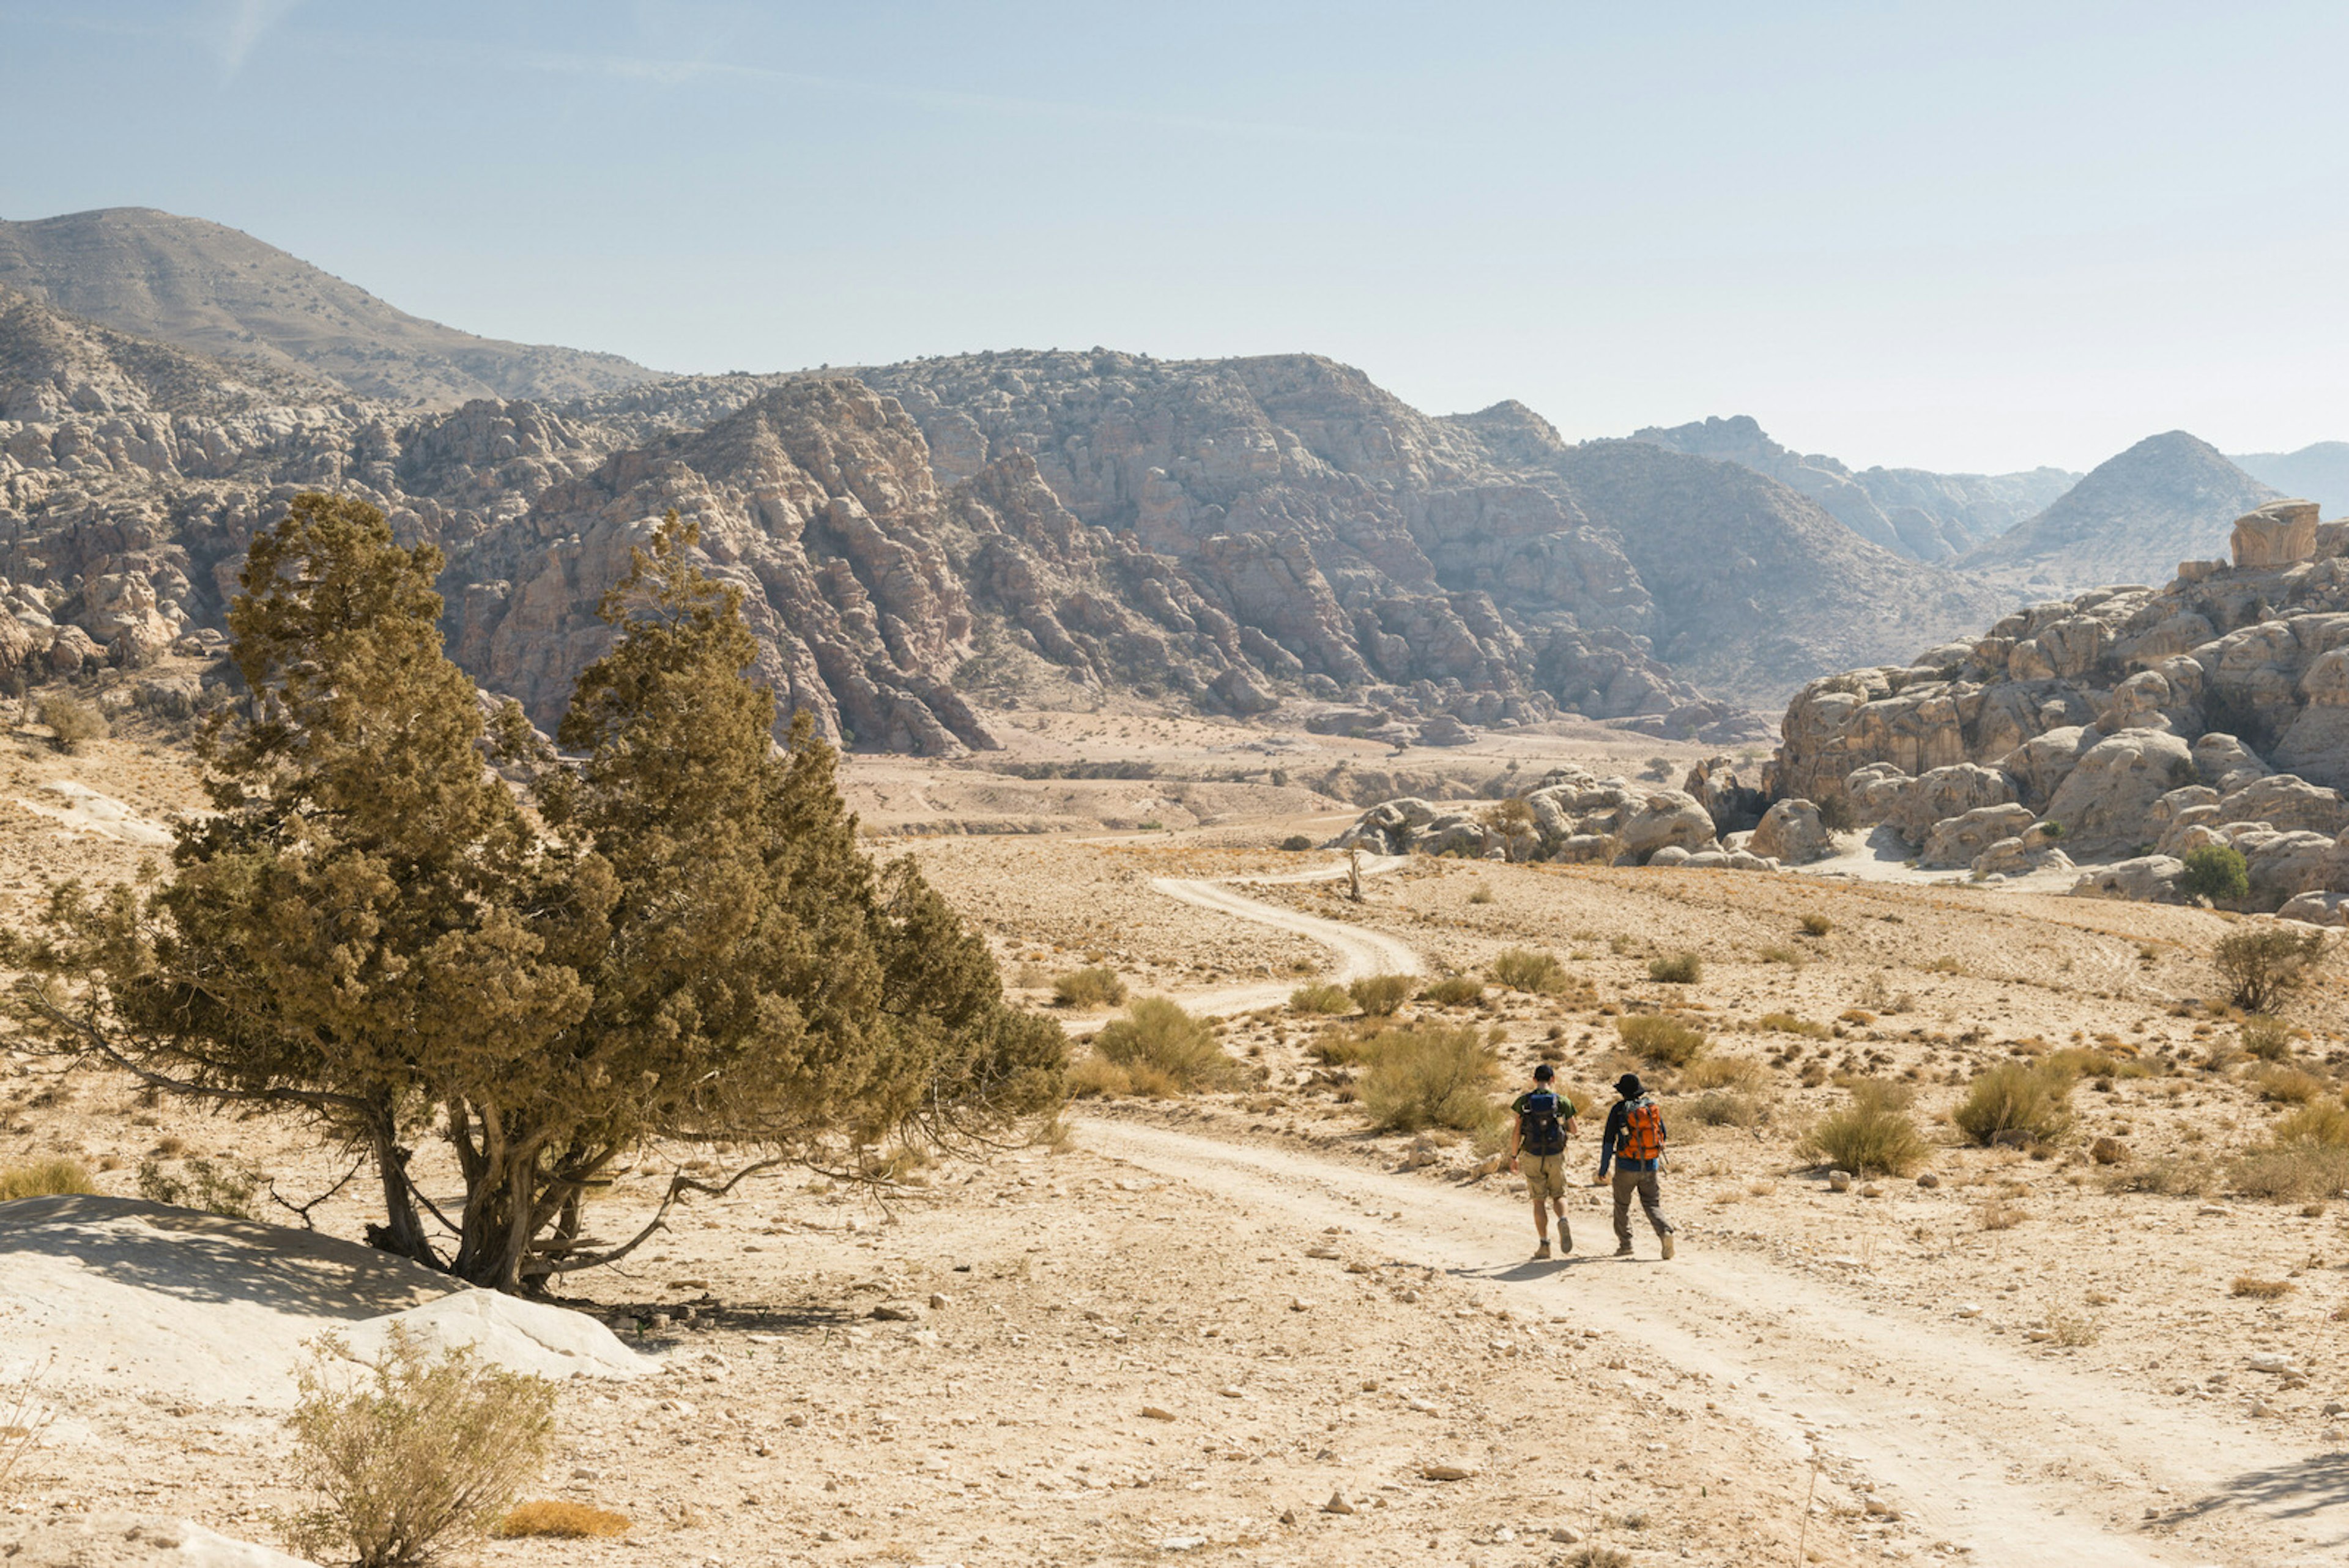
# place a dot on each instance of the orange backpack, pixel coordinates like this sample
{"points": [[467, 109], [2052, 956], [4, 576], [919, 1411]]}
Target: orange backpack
{"points": [[1643, 1131]]}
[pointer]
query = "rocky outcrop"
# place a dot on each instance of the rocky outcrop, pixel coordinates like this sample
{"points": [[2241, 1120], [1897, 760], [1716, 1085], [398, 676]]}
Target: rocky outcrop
{"points": [[1577, 818], [1792, 832]]}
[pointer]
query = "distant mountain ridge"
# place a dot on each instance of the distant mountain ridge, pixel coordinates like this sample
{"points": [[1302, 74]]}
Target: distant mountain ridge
{"points": [[2319, 472], [221, 293]]}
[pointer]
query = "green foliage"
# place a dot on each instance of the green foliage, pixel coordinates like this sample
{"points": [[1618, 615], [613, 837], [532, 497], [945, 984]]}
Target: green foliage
{"points": [[2052, 831], [1680, 969], [2016, 1103], [72, 722], [44, 1179], [1660, 1039], [2217, 872], [1320, 999], [1834, 814], [2269, 1039], [1096, 987], [417, 1461], [1295, 842], [227, 1189], [1378, 995], [1158, 1036], [1873, 1133], [1455, 991], [2263, 964], [1529, 970], [685, 942], [1427, 1076]]}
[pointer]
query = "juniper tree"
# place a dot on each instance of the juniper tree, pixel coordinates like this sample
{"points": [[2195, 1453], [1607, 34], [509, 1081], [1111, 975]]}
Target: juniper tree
{"points": [[681, 940]]}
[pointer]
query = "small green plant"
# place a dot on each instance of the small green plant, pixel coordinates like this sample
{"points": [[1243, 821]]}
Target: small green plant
{"points": [[1834, 814], [2269, 1039], [1527, 970], [72, 724], [2263, 964], [44, 1179], [1430, 1076], [2052, 831], [1378, 995], [1098, 986], [417, 1461], [1295, 842], [226, 1189], [2217, 872], [1321, 999], [1816, 925], [1660, 1039], [1680, 969], [2016, 1104], [1156, 1035], [1873, 1133], [1455, 991]]}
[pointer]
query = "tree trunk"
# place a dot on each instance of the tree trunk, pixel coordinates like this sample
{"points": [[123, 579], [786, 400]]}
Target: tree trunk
{"points": [[402, 1232]]}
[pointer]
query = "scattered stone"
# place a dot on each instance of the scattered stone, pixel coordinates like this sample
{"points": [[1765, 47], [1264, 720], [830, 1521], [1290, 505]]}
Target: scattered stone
{"points": [[1232, 1391], [1337, 1504], [1871, 1190], [938, 1302], [1839, 1180], [2110, 1151], [1969, 1310], [1443, 1473], [1157, 1413], [1298, 1303], [1929, 1180], [896, 1312]]}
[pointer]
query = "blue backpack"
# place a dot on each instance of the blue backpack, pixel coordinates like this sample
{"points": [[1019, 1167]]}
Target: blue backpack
{"points": [[1542, 1124]]}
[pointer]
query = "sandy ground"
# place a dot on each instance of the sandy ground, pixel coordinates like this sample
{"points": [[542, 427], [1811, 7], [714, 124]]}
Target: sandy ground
{"points": [[1178, 1330]]}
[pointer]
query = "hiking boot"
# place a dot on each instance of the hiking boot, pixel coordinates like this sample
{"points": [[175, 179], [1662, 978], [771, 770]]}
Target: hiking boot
{"points": [[1542, 1250], [1667, 1240], [1565, 1243], [1624, 1250]]}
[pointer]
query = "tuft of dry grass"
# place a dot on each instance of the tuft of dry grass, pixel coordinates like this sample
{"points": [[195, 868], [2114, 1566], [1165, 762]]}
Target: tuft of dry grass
{"points": [[1725, 1073], [1321, 999], [559, 1521], [1157, 1037], [1096, 987], [1455, 991], [1680, 969], [2016, 1104], [2253, 1288], [1998, 1214], [1527, 970], [1874, 1133], [1660, 1039], [2282, 1086], [1378, 995], [1787, 1023], [1429, 1076], [44, 1179]]}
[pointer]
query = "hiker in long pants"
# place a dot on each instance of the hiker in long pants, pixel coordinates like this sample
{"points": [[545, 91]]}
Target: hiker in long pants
{"points": [[1634, 1142], [1545, 1120]]}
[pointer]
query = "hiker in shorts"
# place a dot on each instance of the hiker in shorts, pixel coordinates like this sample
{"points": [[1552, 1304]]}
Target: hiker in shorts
{"points": [[1634, 1144], [1545, 1120]]}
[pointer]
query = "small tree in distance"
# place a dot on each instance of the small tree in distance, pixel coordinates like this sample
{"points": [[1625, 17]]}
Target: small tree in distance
{"points": [[2217, 872]]}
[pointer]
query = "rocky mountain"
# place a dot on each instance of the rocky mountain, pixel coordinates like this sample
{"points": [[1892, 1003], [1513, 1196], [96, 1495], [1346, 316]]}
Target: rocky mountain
{"points": [[2129, 726], [1911, 512], [220, 293], [2167, 499], [2320, 472]]}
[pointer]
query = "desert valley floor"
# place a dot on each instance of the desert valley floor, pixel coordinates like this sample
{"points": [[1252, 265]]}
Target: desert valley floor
{"points": [[1239, 1328]]}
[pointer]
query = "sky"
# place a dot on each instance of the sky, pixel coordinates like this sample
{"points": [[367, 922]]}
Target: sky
{"points": [[1972, 237]]}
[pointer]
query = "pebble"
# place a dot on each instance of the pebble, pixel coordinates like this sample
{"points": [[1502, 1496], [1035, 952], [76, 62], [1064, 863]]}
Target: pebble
{"points": [[1444, 1472], [1298, 1303], [938, 1302], [1232, 1391], [1157, 1413], [1969, 1310], [1181, 1543], [1929, 1180], [894, 1311], [1871, 1190], [1839, 1180], [1337, 1504]]}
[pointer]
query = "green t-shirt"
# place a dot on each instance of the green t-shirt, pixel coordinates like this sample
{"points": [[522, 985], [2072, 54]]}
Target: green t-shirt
{"points": [[1565, 1111]]}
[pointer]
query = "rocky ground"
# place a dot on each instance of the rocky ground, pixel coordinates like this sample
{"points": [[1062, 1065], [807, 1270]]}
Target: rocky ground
{"points": [[1243, 1326]]}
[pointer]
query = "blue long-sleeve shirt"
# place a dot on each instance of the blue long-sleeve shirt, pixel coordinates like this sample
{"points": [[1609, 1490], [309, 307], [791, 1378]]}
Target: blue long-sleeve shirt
{"points": [[1618, 1116]]}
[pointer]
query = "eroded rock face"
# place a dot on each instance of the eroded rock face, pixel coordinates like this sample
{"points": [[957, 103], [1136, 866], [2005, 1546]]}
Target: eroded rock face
{"points": [[2278, 534], [1791, 832], [1578, 818], [1961, 840]]}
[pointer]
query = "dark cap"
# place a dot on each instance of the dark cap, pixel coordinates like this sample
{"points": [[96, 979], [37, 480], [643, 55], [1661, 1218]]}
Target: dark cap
{"points": [[1543, 1073], [1629, 1086]]}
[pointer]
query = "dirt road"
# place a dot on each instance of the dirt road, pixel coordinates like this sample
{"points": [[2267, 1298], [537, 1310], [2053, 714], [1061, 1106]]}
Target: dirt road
{"points": [[1360, 952]]}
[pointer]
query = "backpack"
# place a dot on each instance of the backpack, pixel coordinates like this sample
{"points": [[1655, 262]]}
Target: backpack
{"points": [[1643, 1131], [1543, 1123]]}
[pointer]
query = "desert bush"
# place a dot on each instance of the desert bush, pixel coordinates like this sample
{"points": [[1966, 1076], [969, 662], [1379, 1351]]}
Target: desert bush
{"points": [[1874, 1133], [44, 1179], [1660, 1039], [1998, 1214], [2269, 1039], [1455, 991], [2170, 1177], [1529, 969], [1480, 894], [24, 1418], [2217, 872], [1295, 842], [1779, 952], [2258, 1289], [1096, 1077], [2291, 1172], [560, 1521], [2263, 964], [1429, 1075], [1680, 969], [1834, 814], [73, 722], [1724, 1072], [2016, 1103], [1595, 1556], [1343, 1044], [1097, 986], [1787, 1023], [1320, 999], [1730, 1108], [226, 1189], [1157, 1036], [417, 1460], [1944, 965], [2282, 1085], [1378, 995], [1816, 925], [2326, 1124]]}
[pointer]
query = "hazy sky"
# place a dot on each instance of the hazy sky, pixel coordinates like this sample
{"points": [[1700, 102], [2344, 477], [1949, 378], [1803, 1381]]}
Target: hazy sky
{"points": [[1956, 235]]}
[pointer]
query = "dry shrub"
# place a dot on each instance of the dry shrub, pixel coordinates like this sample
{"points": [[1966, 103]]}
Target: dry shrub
{"points": [[228, 1189], [1378, 995], [1098, 986], [2016, 1104], [2263, 964], [1660, 1039], [1730, 1108], [1525, 969], [1725, 1073], [1482, 895], [1874, 1133], [2325, 1126], [1093, 1077], [2170, 1177], [2269, 1039], [1787, 1023], [2306, 1157], [2259, 1290], [1455, 991], [560, 1522], [419, 1459], [1998, 1214], [44, 1179], [2282, 1086], [1779, 952], [2081, 1062], [1159, 1042], [2071, 1330], [1323, 999], [1599, 1557], [1295, 842], [1816, 925], [1427, 1076], [1342, 1044], [23, 1419], [1680, 968], [73, 722]]}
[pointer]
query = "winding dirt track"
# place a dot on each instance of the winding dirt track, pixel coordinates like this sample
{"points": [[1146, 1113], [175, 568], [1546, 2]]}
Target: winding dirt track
{"points": [[2018, 1457]]}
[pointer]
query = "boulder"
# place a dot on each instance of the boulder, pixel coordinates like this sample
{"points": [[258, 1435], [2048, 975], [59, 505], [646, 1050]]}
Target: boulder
{"points": [[1667, 817], [2286, 801], [73, 651], [2103, 801], [1669, 855], [1443, 730], [1735, 802], [2041, 764], [2019, 856], [1454, 834], [2225, 764], [2282, 864], [1959, 840], [1875, 793], [1790, 832], [2148, 878], [1944, 793], [2278, 534], [2317, 908]]}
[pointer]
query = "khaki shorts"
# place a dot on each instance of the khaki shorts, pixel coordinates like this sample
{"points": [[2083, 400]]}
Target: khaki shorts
{"points": [[1545, 1174]]}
